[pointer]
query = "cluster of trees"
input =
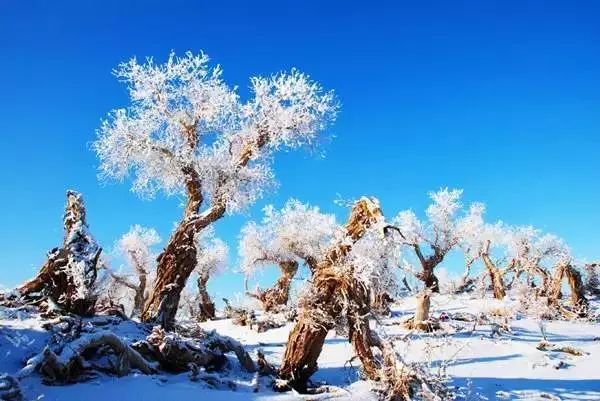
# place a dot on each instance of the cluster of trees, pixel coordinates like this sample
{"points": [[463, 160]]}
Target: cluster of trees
{"points": [[186, 132]]}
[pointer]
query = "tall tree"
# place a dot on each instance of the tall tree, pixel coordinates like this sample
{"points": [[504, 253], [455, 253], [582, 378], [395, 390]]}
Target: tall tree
{"points": [[186, 132], [355, 267]]}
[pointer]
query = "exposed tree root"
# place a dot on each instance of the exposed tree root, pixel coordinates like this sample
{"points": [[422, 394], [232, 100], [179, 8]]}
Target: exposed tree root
{"points": [[175, 353], [70, 365], [546, 346]]}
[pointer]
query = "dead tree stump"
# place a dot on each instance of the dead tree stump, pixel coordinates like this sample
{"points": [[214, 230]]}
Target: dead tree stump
{"points": [[68, 276]]}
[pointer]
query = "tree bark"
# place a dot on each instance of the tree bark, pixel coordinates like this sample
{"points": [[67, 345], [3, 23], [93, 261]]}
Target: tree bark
{"points": [[278, 296], [68, 276], [207, 306], [179, 258], [175, 265], [323, 306], [495, 274], [421, 320], [578, 300], [428, 264]]}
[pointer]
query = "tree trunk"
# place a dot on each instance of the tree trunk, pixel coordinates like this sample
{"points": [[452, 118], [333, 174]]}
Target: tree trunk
{"points": [[495, 277], [140, 297], [421, 320], [322, 306], [207, 306], [68, 276], [175, 265], [277, 296], [179, 258], [428, 277], [578, 300]]}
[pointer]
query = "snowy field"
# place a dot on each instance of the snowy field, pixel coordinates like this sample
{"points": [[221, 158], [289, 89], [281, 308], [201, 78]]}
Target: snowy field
{"points": [[483, 363]]}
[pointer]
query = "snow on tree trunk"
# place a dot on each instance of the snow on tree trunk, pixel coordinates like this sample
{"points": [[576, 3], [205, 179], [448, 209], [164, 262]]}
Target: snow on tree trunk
{"points": [[206, 305], [323, 306], [68, 276], [278, 296]]}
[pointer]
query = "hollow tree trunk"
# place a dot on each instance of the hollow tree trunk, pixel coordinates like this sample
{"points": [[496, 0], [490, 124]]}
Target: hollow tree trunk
{"points": [[68, 276], [277, 296], [206, 306], [495, 277], [322, 306], [578, 300]]}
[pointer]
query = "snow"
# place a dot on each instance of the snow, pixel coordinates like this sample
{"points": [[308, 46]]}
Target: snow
{"points": [[506, 367]]}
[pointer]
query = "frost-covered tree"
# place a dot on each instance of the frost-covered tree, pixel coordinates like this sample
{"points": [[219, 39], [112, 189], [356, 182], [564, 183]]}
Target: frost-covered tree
{"points": [[535, 254], [478, 239], [212, 259], [354, 268], [186, 132], [440, 232], [298, 233], [136, 247]]}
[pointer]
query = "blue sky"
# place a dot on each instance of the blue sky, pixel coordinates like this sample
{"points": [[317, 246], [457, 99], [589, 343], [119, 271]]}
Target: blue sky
{"points": [[499, 98]]}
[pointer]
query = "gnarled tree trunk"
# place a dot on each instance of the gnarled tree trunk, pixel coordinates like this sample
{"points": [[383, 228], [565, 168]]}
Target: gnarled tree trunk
{"points": [[277, 296], [428, 264], [68, 276], [179, 258], [207, 306], [578, 300], [175, 265], [323, 306], [495, 274]]}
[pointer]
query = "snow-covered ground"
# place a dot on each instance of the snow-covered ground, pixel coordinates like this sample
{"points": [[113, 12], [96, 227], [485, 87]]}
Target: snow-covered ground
{"points": [[482, 366]]}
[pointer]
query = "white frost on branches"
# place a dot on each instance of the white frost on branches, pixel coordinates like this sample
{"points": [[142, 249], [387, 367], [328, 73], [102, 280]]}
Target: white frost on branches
{"points": [[212, 253], [297, 231], [184, 120], [443, 226], [136, 247], [532, 249], [373, 260]]}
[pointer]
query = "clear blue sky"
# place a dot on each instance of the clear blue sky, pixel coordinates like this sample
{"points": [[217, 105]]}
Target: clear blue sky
{"points": [[499, 98]]}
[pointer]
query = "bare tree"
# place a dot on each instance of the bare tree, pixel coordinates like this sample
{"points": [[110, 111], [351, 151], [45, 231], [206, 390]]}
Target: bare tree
{"points": [[186, 132], [68, 276]]}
